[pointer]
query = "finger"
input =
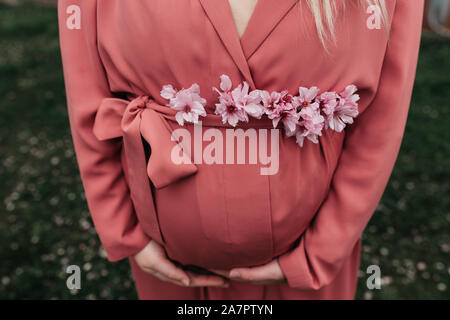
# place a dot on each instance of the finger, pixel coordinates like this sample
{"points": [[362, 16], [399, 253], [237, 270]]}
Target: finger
{"points": [[223, 273], [164, 278], [265, 272], [195, 280], [171, 271], [226, 274], [200, 280]]}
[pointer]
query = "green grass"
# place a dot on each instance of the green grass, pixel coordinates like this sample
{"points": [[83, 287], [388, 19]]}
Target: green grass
{"points": [[45, 224]]}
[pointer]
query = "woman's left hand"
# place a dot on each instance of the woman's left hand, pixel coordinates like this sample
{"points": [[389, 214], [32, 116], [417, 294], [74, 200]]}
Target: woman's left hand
{"points": [[266, 274]]}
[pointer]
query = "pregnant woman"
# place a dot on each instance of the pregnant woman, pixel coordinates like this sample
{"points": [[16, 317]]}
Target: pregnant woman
{"points": [[236, 149]]}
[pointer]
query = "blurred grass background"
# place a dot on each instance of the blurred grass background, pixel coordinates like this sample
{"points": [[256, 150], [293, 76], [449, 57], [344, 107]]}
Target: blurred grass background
{"points": [[45, 224]]}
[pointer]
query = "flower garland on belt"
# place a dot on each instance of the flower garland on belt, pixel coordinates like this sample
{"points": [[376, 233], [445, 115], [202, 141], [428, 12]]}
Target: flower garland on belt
{"points": [[305, 115]]}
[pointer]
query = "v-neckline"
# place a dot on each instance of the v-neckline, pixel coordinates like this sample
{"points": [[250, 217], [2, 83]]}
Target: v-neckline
{"points": [[252, 17], [265, 17]]}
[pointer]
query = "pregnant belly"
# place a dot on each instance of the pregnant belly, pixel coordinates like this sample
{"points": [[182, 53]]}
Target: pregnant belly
{"points": [[231, 215]]}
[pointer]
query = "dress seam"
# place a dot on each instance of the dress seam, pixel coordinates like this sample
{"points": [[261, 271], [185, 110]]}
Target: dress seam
{"points": [[272, 249]]}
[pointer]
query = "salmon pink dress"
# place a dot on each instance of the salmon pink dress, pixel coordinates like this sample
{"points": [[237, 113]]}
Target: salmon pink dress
{"points": [[311, 213]]}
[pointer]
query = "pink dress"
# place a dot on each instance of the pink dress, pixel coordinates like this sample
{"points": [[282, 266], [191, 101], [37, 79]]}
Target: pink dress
{"points": [[309, 215]]}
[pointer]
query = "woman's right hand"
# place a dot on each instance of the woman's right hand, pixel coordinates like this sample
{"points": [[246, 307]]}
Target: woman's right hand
{"points": [[153, 260]]}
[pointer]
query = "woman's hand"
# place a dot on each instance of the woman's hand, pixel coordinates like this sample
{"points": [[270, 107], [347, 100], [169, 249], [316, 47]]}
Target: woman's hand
{"points": [[266, 274], [153, 260]]}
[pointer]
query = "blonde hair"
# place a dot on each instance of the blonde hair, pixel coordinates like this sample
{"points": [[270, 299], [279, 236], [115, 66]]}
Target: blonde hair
{"points": [[325, 12]]}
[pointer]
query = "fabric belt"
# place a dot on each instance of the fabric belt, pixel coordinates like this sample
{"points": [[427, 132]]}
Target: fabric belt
{"points": [[141, 118]]}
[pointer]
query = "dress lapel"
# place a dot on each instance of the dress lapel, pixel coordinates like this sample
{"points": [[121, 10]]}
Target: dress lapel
{"points": [[219, 13], [266, 15]]}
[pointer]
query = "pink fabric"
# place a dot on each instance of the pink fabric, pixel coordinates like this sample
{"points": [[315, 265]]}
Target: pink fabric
{"points": [[311, 214]]}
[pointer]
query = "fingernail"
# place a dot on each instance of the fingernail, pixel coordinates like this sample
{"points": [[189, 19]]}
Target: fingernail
{"points": [[234, 274], [186, 282]]}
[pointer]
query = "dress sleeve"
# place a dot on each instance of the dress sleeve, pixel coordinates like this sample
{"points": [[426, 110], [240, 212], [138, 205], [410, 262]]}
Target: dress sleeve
{"points": [[370, 150], [99, 162]]}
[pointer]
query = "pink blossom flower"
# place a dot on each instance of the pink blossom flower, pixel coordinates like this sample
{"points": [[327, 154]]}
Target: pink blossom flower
{"points": [[188, 103], [168, 92], [227, 107], [340, 109], [306, 96], [248, 101], [285, 110], [349, 94], [348, 105], [225, 83], [302, 116], [310, 125], [225, 86], [236, 105], [229, 111], [270, 101], [328, 103]]}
